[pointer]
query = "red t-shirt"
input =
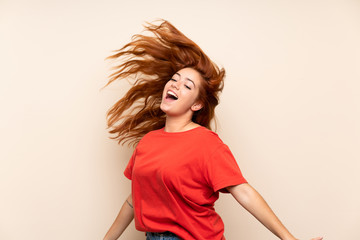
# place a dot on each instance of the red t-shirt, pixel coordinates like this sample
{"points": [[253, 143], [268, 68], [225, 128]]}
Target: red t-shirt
{"points": [[176, 178]]}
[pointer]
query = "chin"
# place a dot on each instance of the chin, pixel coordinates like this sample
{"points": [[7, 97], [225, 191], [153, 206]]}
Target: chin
{"points": [[164, 109], [167, 111]]}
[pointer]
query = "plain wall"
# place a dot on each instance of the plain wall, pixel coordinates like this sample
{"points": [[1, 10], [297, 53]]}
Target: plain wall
{"points": [[290, 112]]}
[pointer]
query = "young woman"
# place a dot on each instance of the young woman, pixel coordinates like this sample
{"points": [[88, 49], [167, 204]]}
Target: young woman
{"points": [[179, 165]]}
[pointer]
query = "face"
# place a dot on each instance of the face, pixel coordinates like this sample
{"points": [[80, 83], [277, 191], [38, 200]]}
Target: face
{"points": [[181, 92]]}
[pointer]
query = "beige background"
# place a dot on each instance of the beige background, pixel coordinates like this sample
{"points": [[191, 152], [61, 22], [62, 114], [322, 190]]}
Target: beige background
{"points": [[290, 111]]}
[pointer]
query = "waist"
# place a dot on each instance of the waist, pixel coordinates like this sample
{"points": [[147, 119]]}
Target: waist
{"points": [[161, 234]]}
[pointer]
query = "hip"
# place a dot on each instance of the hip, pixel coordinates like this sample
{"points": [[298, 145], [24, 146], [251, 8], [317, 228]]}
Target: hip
{"points": [[161, 236]]}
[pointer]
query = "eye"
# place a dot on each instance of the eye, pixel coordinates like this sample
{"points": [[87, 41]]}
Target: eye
{"points": [[173, 80], [188, 87]]}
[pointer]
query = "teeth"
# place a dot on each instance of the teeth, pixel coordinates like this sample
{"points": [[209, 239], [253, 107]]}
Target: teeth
{"points": [[171, 93]]}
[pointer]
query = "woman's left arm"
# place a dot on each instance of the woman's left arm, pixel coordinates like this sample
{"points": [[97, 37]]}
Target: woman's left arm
{"points": [[254, 203]]}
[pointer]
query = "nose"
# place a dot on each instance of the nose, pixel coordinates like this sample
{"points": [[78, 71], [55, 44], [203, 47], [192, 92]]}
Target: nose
{"points": [[175, 85]]}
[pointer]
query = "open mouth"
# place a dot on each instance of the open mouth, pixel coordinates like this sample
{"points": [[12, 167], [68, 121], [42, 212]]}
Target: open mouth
{"points": [[171, 95]]}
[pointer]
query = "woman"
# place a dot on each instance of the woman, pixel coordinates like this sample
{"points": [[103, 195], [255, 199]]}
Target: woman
{"points": [[179, 165]]}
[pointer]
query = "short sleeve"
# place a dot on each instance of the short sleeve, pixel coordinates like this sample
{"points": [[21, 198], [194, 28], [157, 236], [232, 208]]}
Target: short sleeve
{"points": [[222, 170], [129, 169]]}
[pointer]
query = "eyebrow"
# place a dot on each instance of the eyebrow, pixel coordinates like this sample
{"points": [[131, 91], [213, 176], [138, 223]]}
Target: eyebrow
{"points": [[187, 79]]}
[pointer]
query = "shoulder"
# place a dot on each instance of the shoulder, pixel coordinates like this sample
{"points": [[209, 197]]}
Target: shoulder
{"points": [[200, 135], [209, 138], [150, 135], [208, 133]]}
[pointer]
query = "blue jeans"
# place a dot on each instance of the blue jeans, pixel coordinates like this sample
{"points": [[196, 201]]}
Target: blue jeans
{"points": [[161, 236]]}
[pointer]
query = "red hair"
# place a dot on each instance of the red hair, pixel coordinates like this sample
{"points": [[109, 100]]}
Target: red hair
{"points": [[152, 61]]}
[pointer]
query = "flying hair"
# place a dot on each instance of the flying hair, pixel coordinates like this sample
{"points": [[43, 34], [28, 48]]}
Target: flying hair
{"points": [[148, 62]]}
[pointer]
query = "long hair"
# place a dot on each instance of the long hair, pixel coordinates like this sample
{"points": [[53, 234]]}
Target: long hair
{"points": [[150, 61]]}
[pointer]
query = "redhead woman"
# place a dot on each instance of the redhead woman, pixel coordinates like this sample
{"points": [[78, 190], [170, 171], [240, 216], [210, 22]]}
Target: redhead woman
{"points": [[179, 165]]}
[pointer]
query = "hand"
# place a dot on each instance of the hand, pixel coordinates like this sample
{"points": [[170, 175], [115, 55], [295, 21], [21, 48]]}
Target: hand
{"points": [[317, 238]]}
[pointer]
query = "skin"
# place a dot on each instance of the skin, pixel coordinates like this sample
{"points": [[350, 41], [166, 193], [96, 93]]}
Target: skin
{"points": [[123, 219], [185, 84]]}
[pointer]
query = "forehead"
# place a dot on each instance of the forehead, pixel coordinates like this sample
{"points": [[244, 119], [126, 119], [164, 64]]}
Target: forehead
{"points": [[189, 73]]}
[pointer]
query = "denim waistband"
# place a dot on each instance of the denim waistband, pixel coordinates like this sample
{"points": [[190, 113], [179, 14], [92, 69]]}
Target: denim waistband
{"points": [[161, 234]]}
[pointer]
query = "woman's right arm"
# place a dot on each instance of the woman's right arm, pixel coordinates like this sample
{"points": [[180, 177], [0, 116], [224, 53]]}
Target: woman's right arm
{"points": [[123, 219]]}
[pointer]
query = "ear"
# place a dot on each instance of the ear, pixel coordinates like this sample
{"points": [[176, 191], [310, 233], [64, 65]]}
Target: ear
{"points": [[196, 106]]}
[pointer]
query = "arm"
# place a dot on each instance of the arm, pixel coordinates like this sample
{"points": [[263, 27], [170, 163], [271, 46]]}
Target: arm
{"points": [[121, 222], [254, 203]]}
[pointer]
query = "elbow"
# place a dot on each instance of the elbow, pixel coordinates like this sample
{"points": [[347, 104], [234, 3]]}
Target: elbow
{"points": [[243, 193]]}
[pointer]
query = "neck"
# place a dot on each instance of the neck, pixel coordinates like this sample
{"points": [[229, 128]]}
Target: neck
{"points": [[175, 124]]}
